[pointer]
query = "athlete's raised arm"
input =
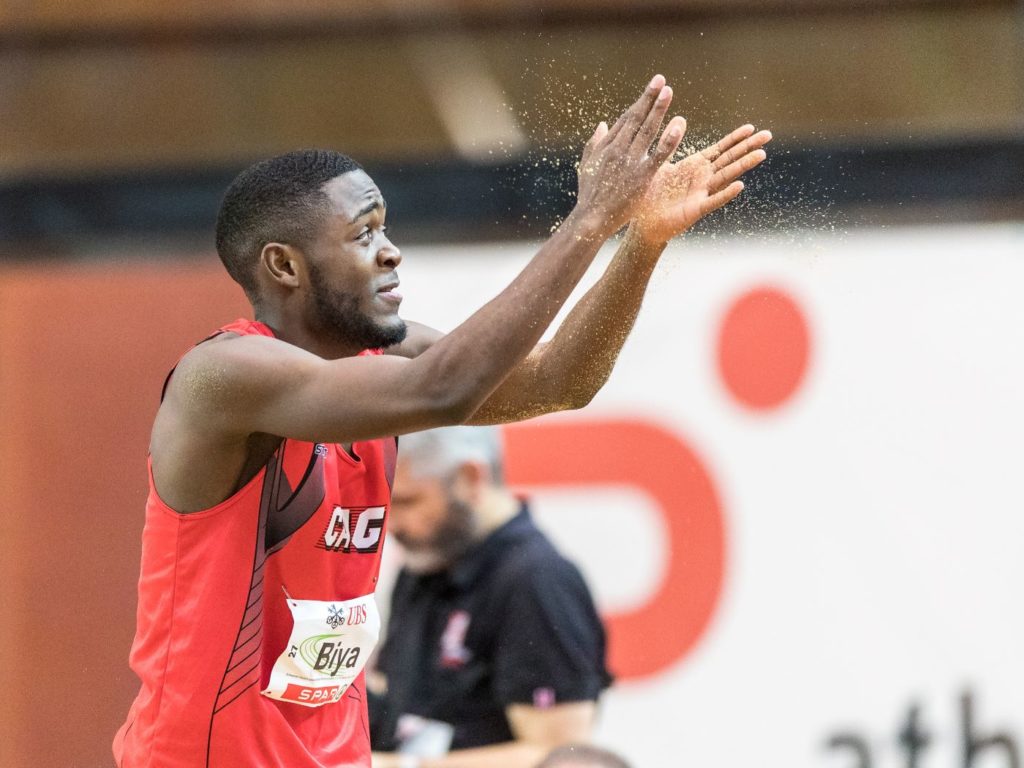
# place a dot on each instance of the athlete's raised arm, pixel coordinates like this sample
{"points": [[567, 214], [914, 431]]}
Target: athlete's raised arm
{"points": [[318, 296], [568, 371]]}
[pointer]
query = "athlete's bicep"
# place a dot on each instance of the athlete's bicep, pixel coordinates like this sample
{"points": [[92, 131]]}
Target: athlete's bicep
{"points": [[524, 394]]}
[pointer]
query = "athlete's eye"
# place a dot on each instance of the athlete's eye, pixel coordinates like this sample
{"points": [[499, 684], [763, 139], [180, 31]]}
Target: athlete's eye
{"points": [[365, 235]]}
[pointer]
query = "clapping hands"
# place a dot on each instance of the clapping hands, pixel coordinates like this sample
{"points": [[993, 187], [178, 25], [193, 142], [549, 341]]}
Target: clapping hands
{"points": [[683, 192]]}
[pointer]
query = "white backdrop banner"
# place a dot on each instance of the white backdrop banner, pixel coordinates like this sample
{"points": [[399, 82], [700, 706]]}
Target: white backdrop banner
{"points": [[800, 498]]}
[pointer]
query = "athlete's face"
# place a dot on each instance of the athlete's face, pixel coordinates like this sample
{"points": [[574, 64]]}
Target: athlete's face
{"points": [[429, 517], [353, 277]]}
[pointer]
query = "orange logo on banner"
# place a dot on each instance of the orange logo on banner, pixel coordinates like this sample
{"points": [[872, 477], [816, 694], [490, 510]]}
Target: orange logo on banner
{"points": [[647, 639], [763, 348]]}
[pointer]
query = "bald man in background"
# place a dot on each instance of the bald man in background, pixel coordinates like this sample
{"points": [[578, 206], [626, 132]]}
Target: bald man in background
{"points": [[582, 756]]}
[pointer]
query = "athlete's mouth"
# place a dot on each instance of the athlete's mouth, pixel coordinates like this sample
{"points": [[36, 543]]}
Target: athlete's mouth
{"points": [[389, 292]]}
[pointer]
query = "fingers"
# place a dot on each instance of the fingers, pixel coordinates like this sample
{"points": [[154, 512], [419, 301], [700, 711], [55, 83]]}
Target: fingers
{"points": [[671, 138], [720, 198], [599, 133], [744, 147], [653, 121], [737, 168], [631, 119], [728, 142]]}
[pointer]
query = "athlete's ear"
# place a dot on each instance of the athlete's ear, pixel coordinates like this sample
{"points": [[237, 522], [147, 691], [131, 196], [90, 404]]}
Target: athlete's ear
{"points": [[282, 263]]}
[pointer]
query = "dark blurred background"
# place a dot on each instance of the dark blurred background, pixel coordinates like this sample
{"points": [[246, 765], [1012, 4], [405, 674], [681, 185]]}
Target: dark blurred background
{"points": [[121, 121]]}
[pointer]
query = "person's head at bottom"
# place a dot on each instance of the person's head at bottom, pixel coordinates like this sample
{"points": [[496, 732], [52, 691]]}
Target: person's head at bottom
{"points": [[448, 494], [582, 756]]}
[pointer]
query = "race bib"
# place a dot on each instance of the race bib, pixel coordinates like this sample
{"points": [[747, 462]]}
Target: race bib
{"points": [[330, 644]]}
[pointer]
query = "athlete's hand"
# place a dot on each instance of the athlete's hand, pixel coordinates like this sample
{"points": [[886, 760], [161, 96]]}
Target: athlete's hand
{"points": [[686, 191], [617, 166]]}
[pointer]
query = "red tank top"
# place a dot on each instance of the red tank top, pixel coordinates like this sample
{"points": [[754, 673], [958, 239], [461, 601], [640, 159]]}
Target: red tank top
{"points": [[213, 618]]}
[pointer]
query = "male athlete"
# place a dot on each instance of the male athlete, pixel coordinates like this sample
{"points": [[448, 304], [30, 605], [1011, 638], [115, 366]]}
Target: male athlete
{"points": [[271, 456]]}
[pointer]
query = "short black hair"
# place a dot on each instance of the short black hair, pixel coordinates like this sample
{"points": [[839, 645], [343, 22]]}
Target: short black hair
{"points": [[582, 754], [276, 200]]}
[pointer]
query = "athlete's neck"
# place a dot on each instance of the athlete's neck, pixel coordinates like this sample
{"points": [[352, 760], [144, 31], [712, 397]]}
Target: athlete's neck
{"points": [[298, 333]]}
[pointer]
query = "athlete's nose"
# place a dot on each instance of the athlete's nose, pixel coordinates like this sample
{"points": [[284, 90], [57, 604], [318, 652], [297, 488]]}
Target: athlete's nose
{"points": [[389, 255]]}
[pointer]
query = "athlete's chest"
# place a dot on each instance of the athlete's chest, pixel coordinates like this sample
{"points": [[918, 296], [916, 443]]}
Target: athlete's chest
{"points": [[325, 510]]}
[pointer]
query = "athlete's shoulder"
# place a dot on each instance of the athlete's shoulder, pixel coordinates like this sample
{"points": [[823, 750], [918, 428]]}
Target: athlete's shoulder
{"points": [[230, 350], [232, 364]]}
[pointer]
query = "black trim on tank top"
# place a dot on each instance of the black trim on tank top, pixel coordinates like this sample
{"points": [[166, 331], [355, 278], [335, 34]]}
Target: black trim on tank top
{"points": [[120, 763], [283, 520], [305, 475], [259, 559], [250, 685]]}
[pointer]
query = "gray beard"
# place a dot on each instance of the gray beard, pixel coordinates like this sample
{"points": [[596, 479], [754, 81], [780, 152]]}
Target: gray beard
{"points": [[453, 539]]}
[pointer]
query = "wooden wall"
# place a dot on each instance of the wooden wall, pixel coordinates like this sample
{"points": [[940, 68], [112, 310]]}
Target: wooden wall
{"points": [[94, 103]]}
